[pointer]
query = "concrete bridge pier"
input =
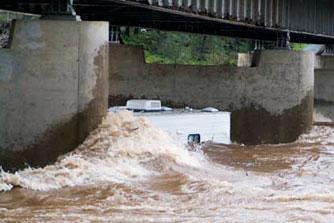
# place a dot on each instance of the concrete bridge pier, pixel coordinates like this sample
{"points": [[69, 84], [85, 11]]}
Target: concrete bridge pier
{"points": [[323, 89], [278, 104], [53, 89]]}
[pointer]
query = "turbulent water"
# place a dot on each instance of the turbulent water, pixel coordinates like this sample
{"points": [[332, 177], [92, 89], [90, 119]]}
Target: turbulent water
{"points": [[129, 171]]}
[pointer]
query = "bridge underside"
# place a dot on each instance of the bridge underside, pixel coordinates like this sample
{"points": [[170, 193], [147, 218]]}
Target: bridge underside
{"points": [[136, 14], [130, 13]]}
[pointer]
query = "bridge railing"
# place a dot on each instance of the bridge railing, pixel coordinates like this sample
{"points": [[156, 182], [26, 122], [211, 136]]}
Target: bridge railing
{"points": [[6, 18]]}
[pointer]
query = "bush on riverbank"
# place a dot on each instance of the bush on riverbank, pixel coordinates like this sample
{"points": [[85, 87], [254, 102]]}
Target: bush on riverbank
{"points": [[183, 48]]}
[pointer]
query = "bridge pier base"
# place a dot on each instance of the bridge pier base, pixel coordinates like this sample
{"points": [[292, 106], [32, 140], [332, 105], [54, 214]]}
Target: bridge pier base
{"points": [[53, 89]]}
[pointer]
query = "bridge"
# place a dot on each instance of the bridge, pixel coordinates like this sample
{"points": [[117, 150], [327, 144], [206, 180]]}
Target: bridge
{"points": [[56, 75], [301, 21]]}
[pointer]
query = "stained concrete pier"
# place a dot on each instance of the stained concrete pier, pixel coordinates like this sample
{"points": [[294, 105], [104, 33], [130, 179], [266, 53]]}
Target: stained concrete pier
{"points": [[280, 103], [53, 87], [271, 102]]}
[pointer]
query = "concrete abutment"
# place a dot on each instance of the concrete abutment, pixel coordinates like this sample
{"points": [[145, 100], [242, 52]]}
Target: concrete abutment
{"points": [[271, 102], [53, 87]]}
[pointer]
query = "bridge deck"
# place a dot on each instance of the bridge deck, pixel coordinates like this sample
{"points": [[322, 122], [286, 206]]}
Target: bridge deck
{"points": [[206, 22], [309, 21]]}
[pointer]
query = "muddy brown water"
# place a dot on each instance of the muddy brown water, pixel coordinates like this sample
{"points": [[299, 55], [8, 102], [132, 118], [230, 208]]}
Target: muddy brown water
{"points": [[128, 171]]}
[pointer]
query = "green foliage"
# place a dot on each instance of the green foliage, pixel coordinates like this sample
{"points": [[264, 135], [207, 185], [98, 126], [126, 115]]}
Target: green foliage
{"points": [[298, 46], [182, 48]]}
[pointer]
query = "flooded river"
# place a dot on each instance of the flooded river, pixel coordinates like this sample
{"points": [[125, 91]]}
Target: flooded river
{"points": [[129, 171]]}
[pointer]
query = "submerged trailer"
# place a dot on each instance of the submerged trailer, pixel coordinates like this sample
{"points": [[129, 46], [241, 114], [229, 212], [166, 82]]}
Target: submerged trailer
{"points": [[186, 125], [193, 126]]}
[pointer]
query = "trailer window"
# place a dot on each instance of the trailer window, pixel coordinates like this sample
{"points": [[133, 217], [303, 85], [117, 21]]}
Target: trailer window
{"points": [[194, 138]]}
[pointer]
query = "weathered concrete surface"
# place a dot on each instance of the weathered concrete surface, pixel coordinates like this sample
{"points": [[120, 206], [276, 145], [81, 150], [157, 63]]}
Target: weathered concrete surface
{"points": [[323, 110], [246, 60], [323, 89], [53, 89], [324, 62], [280, 99], [270, 103]]}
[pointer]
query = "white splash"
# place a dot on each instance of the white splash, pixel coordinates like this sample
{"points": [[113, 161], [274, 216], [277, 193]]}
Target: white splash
{"points": [[116, 151], [318, 117], [318, 134]]}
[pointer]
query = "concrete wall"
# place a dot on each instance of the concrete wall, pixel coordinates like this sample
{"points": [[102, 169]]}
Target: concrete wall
{"points": [[53, 89], [270, 103], [323, 110], [246, 60], [323, 89]]}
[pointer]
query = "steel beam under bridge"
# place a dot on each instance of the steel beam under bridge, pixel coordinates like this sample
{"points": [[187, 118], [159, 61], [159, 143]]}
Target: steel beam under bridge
{"points": [[309, 21]]}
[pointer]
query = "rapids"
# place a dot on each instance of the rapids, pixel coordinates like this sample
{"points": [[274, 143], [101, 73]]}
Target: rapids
{"points": [[129, 171]]}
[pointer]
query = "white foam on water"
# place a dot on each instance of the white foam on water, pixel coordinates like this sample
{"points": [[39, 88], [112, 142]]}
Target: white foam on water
{"points": [[318, 134], [319, 117], [116, 151], [5, 187]]}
